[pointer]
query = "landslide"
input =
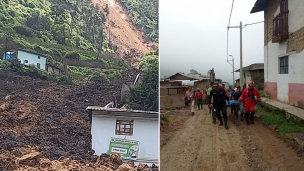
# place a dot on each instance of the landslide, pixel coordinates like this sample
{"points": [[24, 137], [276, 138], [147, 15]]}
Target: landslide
{"points": [[30, 158], [122, 32], [50, 115]]}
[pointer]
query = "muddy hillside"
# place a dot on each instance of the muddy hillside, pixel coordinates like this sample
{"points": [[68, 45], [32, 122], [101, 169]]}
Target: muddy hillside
{"points": [[50, 115]]}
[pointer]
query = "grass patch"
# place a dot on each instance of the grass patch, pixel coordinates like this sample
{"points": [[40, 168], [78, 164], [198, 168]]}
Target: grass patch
{"points": [[278, 118], [165, 118], [262, 93]]}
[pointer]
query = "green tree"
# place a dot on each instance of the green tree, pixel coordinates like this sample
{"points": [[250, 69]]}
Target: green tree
{"points": [[144, 95]]}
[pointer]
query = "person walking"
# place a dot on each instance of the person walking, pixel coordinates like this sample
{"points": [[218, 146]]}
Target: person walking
{"points": [[236, 96], [190, 99], [199, 98], [219, 103], [211, 109], [249, 97]]}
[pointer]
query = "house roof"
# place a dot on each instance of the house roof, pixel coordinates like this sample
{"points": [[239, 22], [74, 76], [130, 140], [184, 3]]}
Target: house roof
{"points": [[32, 53], [259, 5], [122, 112], [176, 87], [252, 67], [192, 76]]}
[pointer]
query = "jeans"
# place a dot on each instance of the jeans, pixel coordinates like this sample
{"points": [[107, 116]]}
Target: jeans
{"points": [[200, 103]]}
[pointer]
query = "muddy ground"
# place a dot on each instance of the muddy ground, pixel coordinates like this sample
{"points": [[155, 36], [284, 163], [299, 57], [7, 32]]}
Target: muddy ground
{"points": [[50, 115], [198, 144]]}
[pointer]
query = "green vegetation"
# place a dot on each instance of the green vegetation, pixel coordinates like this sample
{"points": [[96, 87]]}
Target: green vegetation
{"points": [[279, 119], [258, 79], [60, 29], [4, 64], [59, 23], [145, 14], [262, 93], [144, 95], [165, 118]]}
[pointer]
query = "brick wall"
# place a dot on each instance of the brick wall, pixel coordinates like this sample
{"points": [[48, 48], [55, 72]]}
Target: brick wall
{"points": [[268, 19], [296, 41]]}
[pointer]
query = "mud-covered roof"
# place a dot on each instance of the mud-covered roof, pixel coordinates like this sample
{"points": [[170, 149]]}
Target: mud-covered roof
{"points": [[122, 112], [252, 67]]}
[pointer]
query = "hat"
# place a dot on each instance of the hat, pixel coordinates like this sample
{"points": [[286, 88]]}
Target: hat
{"points": [[223, 84], [215, 84], [198, 89]]}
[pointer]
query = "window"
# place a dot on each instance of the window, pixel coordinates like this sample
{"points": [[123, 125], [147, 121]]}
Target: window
{"points": [[280, 23], [124, 127], [38, 65], [38, 57], [283, 65], [25, 61]]}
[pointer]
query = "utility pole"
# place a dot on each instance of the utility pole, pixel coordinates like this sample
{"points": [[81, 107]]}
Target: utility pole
{"points": [[241, 54], [241, 57], [232, 70]]}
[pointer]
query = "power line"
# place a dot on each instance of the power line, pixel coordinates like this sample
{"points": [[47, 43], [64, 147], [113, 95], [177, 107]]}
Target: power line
{"points": [[228, 26], [230, 13], [252, 23]]}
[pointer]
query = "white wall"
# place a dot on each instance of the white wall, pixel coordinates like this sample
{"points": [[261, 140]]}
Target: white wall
{"points": [[32, 59], [296, 15], [145, 131]]}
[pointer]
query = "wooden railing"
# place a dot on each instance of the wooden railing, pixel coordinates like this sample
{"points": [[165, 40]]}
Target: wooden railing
{"points": [[280, 27]]}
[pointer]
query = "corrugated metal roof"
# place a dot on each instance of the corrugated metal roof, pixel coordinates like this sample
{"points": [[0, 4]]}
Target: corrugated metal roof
{"points": [[192, 76], [252, 67], [176, 87], [119, 110], [259, 5]]}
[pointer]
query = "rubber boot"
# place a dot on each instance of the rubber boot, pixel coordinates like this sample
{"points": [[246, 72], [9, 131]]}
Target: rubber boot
{"points": [[214, 121], [198, 107], [242, 115], [251, 118], [221, 122], [226, 126], [247, 117], [192, 113]]}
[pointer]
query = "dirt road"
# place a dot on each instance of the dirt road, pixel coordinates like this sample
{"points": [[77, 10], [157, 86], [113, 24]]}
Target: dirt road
{"points": [[201, 145]]}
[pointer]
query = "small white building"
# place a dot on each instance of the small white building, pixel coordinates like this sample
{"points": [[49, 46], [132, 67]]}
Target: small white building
{"points": [[27, 58], [283, 49], [131, 133]]}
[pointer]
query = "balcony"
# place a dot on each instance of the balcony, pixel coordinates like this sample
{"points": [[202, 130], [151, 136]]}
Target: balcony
{"points": [[280, 28]]}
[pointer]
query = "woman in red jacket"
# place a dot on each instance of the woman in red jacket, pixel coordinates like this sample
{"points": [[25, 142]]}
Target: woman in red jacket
{"points": [[248, 96]]}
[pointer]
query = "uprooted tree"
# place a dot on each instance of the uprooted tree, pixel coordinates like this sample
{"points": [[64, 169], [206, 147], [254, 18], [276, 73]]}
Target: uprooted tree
{"points": [[144, 95]]}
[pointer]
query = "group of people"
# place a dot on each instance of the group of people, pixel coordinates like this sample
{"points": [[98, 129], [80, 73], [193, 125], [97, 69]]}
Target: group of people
{"points": [[216, 97]]}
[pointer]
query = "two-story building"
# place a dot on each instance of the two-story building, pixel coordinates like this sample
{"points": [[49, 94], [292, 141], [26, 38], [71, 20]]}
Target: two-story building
{"points": [[283, 49]]}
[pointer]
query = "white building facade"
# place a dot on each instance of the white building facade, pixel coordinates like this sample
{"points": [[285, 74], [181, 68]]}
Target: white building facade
{"points": [[283, 49], [124, 125]]}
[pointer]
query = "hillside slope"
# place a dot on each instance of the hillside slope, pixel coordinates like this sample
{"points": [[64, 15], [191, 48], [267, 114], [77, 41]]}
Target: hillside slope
{"points": [[122, 32]]}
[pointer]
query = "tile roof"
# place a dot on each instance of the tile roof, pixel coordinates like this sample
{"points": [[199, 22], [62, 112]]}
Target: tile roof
{"points": [[252, 67]]}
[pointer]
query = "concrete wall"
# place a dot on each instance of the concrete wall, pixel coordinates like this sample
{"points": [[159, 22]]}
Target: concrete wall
{"points": [[237, 83], [53, 70], [285, 87], [172, 101], [144, 131], [32, 59]]}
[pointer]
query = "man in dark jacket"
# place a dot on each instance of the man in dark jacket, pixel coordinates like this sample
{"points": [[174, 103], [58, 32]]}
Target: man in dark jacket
{"points": [[219, 103]]}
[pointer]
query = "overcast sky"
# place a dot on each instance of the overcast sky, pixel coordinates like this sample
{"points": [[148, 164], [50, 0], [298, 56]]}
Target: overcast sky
{"points": [[193, 35]]}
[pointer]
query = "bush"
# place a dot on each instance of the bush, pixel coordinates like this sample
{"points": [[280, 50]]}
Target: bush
{"points": [[144, 95], [34, 72], [4, 64], [23, 31]]}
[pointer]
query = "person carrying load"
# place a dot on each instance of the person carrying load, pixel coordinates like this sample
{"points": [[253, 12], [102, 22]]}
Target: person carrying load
{"points": [[248, 96]]}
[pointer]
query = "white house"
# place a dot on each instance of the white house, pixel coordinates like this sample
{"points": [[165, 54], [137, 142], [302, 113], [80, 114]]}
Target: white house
{"points": [[131, 133], [27, 58], [283, 49]]}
